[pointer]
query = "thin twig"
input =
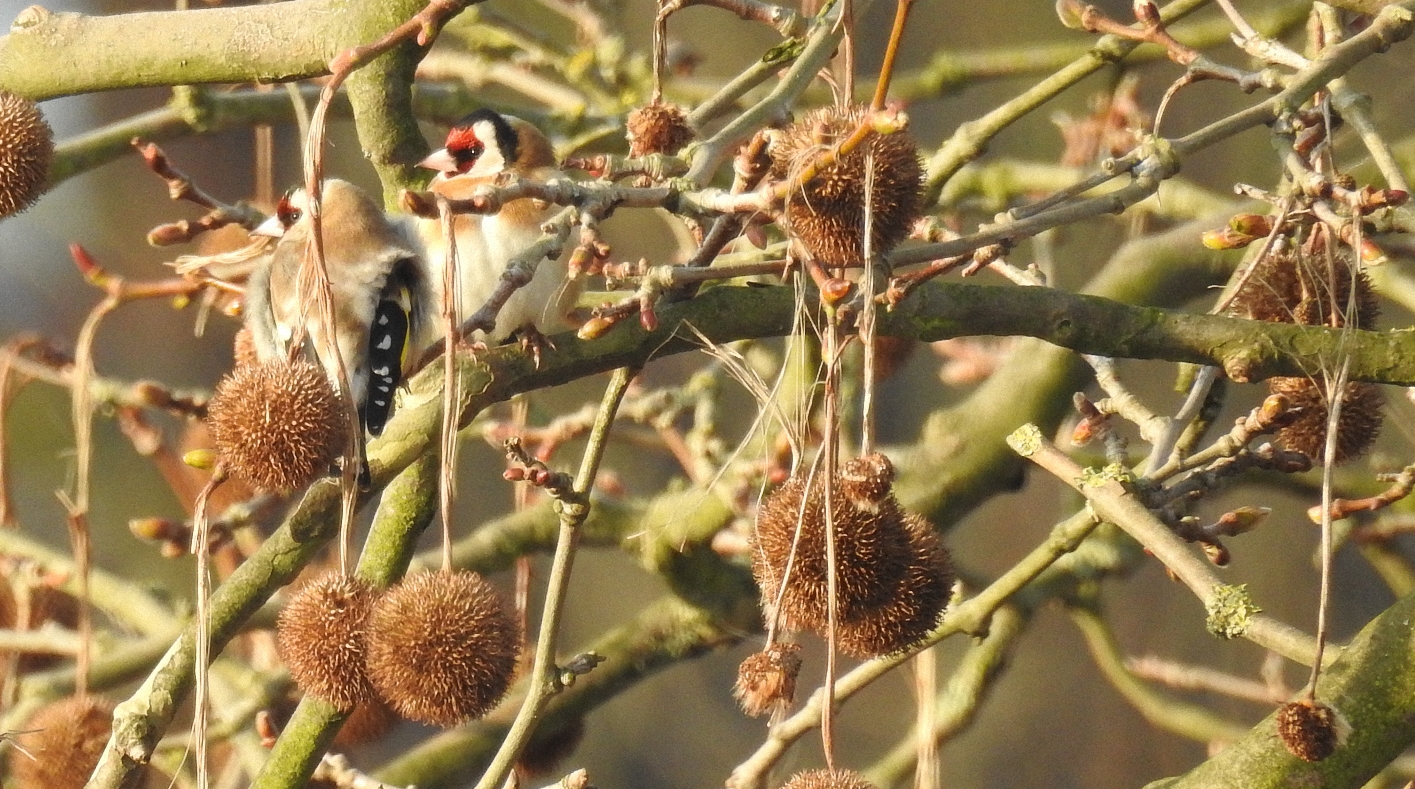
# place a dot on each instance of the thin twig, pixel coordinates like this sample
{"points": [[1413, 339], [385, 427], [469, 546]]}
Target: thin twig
{"points": [[544, 681], [891, 53], [1112, 501]]}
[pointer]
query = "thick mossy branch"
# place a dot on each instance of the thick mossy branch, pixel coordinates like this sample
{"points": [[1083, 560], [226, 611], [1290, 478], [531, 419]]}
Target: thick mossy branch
{"points": [[382, 97], [442, 103], [48, 55], [1248, 351], [1372, 686]]}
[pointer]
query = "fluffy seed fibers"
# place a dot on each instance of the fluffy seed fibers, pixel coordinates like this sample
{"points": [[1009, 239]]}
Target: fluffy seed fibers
{"points": [[441, 648]]}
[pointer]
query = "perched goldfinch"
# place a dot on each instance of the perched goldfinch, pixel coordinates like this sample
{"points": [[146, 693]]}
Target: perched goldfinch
{"points": [[479, 148], [384, 301]]}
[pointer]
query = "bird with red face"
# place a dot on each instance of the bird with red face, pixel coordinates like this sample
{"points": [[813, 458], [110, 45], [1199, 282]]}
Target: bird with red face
{"points": [[479, 149]]}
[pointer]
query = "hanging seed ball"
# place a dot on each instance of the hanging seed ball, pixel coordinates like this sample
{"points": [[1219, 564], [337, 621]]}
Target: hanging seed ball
{"points": [[657, 128], [1317, 290], [26, 149], [1309, 290], [828, 213], [1362, 410], [68, 737], [766, 681], [871, 544], [1309, 729], [320, 635], [828, 779], [913, 611], [277, 426], [441, 648]]}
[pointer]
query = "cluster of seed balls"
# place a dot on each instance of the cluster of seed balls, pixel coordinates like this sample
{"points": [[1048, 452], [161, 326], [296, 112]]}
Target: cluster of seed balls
{"points": [[892, 573], [438, 648], [1320, 288], [893, 576]]}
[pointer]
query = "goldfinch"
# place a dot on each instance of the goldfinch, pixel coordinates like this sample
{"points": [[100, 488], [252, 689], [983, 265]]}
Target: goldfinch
{"points": [[384, 301], [478, 149]]}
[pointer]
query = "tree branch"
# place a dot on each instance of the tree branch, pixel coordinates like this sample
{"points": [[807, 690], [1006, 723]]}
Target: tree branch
{"points": [[1372, 686], [47, 55]]}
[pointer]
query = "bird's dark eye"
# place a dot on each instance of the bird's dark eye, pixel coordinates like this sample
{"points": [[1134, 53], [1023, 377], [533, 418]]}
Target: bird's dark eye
{"points": [[468, 156], [287, 213]]}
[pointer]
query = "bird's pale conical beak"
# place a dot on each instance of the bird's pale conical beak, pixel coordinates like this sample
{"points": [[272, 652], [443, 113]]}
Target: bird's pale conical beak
{"points": [[270, 227], [441, 161]]}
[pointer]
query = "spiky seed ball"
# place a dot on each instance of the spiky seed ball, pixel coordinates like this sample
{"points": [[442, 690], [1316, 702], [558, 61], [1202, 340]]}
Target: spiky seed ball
{"points": [[766, 680], [26, 150], [1317, 290], [278, 426], [442, 648], [1309, 729], [827, 779], [657, 128], [320, 635], [1309, 290], [914, 609], [871, 546], [828, 213], [1362, 412], [69, 736]]}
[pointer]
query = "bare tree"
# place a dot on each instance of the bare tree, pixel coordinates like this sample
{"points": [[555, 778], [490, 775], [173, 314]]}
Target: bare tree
{"points": [[808, 258]]}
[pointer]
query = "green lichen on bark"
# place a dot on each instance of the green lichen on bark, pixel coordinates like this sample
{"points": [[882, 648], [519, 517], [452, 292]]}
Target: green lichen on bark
{"points": [[1229, 610]]}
